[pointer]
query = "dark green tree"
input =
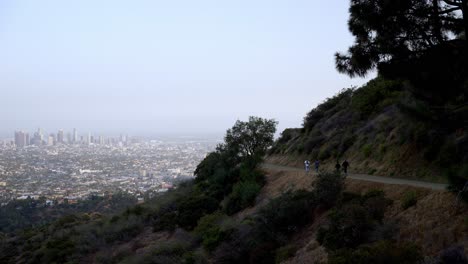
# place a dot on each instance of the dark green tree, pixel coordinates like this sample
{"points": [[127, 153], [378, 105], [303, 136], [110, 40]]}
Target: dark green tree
{"points": [[252, 138], [398, 30]]}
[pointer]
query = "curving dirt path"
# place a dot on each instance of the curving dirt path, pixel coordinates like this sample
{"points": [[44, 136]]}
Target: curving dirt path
{"points": [[366, 177]]}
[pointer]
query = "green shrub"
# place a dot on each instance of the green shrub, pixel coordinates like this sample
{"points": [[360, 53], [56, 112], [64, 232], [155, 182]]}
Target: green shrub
{"points": [[373, 193], [375, 95], [349, 227], [328, 188], [285, 253], [192, 207], [409, 199], [382, 252], [285, 214], [287, 135], [123, 230], [383, 149], [324, 153], [172, 248], [375, 203], [334, 103], [448, 154], [353, 221], [210, 230], [243, 195], [348, 140], [314, 140], [347, 197], [367, 150], [166, 221]]}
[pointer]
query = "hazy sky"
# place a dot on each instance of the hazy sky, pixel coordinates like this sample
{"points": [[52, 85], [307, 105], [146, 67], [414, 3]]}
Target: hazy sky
{"points": [[166, 66]]}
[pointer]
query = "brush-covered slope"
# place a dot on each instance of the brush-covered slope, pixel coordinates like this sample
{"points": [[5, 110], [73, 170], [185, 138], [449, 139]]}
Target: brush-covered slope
{"points": [[381, 128]]}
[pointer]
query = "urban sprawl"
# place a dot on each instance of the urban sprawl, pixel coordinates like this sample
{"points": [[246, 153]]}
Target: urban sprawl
{"points": [[73, 168]]}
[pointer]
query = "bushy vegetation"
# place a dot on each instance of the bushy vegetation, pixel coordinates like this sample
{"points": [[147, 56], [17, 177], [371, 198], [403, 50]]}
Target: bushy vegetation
{"points": [[376, 95], [212, 229], [354, 219], [286, 214], [409, 199], [327, 108], [382, 252], [242, 196], [271, 228], [284, 253], [29, 213], [355, 233], [328, 188]]}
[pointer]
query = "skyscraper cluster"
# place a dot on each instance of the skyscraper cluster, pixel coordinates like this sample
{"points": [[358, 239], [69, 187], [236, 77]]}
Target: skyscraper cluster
{"points": [[23, 139]]}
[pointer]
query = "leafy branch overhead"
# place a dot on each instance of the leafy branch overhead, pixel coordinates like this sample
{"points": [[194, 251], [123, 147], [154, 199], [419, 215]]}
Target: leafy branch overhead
{"points": [[387, 31]]}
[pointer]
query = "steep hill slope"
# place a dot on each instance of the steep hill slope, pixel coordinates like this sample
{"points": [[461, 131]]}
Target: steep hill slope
{"points": [[380, 129], [434, 222]]}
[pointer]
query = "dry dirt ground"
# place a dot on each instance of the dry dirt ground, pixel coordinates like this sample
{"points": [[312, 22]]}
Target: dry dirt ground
{"points": [[434, 223]]}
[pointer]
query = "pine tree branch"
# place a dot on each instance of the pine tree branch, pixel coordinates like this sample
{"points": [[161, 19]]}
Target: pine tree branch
{"points": [[453, 3]]}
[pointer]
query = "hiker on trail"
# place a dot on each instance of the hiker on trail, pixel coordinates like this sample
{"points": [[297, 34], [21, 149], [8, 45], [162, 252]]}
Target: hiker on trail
{"points": [[307, 165], [317, 164], [345, 166], [337, 166]]}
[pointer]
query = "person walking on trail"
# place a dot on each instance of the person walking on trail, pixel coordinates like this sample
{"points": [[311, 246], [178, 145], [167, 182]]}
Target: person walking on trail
{"points": [[307, 165], [317, 164], [345, 166], [337, 166]]}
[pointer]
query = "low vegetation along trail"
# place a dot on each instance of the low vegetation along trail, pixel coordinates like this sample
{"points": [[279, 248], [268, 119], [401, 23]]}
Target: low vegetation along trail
{"points": [[432, 222], [366, 177]]}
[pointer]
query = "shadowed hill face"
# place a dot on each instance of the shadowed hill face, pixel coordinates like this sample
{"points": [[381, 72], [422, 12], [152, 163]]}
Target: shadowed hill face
{"points": [[379, 128]]}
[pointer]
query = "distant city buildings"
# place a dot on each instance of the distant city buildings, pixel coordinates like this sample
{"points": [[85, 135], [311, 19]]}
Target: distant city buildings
{"points": [[47, 168], [60, 138], [75, 136], [22, 139]]}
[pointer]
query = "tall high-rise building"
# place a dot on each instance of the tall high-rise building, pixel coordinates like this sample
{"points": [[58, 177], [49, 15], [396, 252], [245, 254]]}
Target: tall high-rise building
{"points": [[69, 138], [75, 136], [60, 136], [38, 137], [20, 139], [28, 141], [50, 140]]}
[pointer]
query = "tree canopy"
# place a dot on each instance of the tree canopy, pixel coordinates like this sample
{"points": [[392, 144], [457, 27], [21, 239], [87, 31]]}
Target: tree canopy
{"points": [[251, 138], [386, 31]]}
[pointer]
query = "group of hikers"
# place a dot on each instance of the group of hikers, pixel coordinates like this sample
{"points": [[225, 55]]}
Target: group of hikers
{"points": [[338, 166]]}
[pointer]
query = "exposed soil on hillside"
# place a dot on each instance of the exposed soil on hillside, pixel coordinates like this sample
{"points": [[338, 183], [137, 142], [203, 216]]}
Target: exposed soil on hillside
{"points": [[434, 223]]}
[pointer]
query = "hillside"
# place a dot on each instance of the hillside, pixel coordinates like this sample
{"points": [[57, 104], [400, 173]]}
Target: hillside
{"points": [[240, 210], [434, 222], [381, 129]]}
